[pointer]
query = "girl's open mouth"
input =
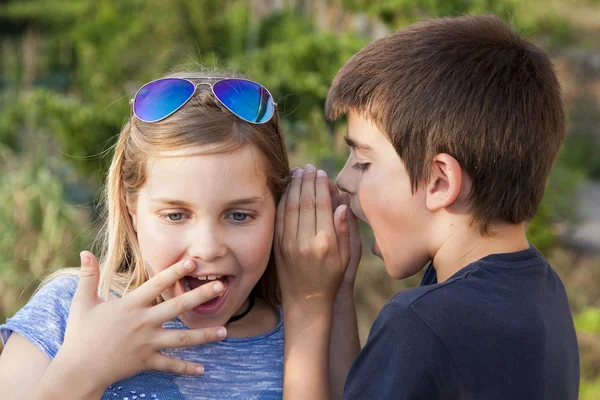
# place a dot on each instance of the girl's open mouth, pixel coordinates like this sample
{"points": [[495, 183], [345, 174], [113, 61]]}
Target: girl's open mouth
{"points": [[193, 282]]}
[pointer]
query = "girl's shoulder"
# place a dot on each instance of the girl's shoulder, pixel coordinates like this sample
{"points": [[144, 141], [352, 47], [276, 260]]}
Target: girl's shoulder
{"points": [[60, 286], [43, 319]]}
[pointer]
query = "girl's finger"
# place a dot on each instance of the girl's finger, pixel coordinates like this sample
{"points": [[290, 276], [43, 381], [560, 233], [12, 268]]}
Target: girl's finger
{"points": [[323, 203], [160, 362], [176, 306], [342, 231], [292, 206], [86, 293], [307, 214], [169, 338], [155, 286]]}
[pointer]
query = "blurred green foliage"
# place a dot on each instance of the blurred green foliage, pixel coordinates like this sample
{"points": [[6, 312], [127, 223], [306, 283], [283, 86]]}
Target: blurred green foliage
{"points": [[37, 224]]}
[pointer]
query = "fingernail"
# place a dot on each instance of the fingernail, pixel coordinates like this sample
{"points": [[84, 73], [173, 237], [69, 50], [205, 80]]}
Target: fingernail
{"points": [[298, 173], [218, 287], [188, 264], [221, 332], [199, 371], [85, 259], [309, 168], [321, 174]]}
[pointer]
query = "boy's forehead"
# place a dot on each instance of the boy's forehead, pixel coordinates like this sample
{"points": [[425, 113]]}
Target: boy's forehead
{"points": [[363, 133]]}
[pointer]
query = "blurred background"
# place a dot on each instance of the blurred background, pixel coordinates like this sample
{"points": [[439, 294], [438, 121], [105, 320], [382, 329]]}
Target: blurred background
{"points": [[68, 69]]}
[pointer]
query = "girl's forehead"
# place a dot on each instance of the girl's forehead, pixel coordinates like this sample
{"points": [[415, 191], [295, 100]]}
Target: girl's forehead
{"points": [[241, 167]]}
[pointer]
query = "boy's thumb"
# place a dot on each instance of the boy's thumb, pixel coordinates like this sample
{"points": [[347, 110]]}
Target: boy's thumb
{"points": [[87, 287]]}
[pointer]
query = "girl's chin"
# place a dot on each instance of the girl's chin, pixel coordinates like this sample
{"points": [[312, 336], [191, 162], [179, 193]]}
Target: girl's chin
{"points": [[195, 321]]}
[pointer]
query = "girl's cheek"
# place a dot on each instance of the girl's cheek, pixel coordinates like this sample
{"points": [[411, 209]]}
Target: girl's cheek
{"points": [[254, 248], [159, 244]]}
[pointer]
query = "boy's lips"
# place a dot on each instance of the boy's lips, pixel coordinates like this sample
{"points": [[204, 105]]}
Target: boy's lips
{"points": [[375, 250]]}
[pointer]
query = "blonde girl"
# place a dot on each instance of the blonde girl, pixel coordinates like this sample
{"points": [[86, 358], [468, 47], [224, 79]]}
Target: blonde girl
{"points": [[184, 302]]}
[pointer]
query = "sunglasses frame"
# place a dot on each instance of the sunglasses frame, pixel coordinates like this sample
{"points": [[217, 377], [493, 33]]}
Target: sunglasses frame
{"points": [[196, 85]]}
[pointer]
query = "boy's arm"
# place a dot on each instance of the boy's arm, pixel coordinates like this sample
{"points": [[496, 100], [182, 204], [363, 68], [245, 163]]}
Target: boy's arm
{"points": [[311, 261], [345, 343], [306, 361]]}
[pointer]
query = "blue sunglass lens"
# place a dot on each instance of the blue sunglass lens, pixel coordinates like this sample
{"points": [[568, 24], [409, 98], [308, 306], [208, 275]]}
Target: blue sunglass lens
{"points": [[248, 100], [159, 99]]}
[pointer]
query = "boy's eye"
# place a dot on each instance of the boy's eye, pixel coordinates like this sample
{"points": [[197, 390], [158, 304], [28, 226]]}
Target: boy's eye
{"points": [[239, 217], [361, 166], [174, 217]]}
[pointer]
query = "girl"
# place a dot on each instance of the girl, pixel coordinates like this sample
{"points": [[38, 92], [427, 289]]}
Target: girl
{"points": [[191, 194]]}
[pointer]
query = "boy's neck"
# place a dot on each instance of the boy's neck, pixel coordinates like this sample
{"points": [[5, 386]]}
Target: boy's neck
{"points": [[467, 246]]}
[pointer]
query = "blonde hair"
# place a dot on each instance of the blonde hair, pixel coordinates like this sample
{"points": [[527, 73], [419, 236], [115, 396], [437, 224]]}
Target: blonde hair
{"points": [[201, 121]]}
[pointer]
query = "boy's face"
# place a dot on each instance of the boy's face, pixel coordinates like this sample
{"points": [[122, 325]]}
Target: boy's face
{"points": [[376, 179], [215, 209]]}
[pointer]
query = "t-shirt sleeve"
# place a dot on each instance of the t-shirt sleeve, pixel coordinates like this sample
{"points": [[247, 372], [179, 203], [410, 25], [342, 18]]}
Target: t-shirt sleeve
{"points": [[402, 359], [43, 319]]}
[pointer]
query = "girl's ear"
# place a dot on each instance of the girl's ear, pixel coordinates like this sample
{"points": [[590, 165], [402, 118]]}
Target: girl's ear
{"points": [[132, 213], [445, 182]]}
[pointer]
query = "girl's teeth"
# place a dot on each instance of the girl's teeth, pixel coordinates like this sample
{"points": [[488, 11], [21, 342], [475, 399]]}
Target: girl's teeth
{"points": [[209, 277], [186, 285]]}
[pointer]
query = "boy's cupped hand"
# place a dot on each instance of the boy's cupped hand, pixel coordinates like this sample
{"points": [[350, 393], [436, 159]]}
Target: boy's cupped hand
{"points": [[111, 340], [317, 244]]}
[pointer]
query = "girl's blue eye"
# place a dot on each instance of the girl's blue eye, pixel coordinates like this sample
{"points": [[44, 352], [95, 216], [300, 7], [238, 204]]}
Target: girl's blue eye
{"points": [[361, 166], [239, 217], [174, 217]]}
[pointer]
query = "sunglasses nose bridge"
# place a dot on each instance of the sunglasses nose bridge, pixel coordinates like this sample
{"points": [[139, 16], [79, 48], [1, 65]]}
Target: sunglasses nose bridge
{"points": [[203, 83]]}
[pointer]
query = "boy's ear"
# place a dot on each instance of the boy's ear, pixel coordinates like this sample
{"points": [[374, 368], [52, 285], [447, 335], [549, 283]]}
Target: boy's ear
{"points": [[445, 182]]}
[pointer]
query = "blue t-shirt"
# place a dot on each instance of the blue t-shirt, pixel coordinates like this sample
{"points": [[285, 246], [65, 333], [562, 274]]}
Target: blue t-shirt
{"points": [[245, 368], [499, 329]]}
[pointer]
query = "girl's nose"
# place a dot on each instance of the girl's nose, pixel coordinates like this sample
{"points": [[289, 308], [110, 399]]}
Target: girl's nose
{"points": [[207, 244]]}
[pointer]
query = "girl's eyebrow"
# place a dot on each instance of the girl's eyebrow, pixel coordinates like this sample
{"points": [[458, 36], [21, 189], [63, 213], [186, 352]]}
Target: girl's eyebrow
{"points": [[236, 202]]}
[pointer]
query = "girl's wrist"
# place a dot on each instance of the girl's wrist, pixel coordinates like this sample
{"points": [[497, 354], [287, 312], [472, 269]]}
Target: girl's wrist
{"points": [[72, 380]]}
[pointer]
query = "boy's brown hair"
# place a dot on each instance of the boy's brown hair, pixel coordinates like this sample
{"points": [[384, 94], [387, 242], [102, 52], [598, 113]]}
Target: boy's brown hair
{"points": [[469, 87]]}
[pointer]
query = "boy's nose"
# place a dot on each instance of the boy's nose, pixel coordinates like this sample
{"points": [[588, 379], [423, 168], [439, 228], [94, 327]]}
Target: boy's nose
{"points": [[345, 181]]}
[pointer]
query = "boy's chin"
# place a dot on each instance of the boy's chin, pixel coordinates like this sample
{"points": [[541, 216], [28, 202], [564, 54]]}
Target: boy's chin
{"points": [[402, 269]]}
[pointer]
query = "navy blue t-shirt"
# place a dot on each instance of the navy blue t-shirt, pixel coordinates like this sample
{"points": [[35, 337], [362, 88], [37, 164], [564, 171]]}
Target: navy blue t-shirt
{"points": [[499, 329]]}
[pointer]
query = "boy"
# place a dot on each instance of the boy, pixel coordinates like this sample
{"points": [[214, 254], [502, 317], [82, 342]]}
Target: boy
{"points": [[453, 125]]}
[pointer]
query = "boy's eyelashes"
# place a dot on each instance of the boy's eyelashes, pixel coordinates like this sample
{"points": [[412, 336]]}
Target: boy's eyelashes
{"points": [[361, 166]]}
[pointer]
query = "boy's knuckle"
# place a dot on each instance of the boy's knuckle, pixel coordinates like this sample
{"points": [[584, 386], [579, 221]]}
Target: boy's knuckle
{"points": [[322, 248], [291, 206], [307, 202], [305, 250], [288, 248], [324, 202]]}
